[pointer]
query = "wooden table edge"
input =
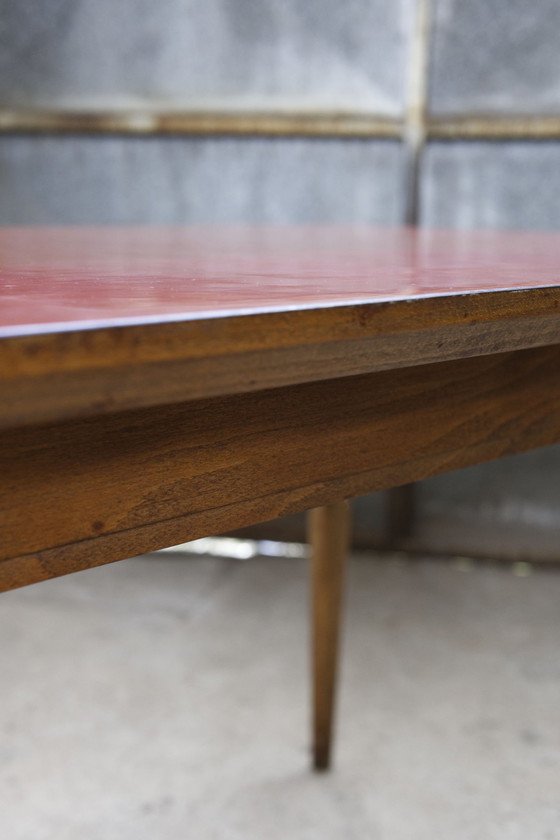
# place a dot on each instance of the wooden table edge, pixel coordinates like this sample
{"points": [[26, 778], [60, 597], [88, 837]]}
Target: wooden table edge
{"points": [[51, 376]]}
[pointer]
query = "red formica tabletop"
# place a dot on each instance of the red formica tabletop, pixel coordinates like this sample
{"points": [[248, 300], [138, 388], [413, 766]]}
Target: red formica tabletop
{"points": [[59, 279], [105, 319]]}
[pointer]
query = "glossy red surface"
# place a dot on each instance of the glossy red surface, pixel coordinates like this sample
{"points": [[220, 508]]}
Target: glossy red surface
{"points": [[77, 278]]}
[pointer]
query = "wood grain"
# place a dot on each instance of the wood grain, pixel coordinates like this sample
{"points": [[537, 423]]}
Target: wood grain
{"points": [[81, 493], [61, 375], [329, 532]]}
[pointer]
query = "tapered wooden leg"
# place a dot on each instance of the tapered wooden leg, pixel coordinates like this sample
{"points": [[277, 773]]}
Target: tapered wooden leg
{"points": [[328, 534]]}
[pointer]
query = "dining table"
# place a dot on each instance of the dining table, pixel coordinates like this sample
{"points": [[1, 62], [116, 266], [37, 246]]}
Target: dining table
{"points": [[163, 384]]}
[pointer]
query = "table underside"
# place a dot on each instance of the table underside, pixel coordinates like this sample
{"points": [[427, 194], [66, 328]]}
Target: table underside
{"points": [[82, 492]]}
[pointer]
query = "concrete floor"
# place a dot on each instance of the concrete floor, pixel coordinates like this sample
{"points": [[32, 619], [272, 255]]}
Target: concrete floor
{"points": [[166, 697]]}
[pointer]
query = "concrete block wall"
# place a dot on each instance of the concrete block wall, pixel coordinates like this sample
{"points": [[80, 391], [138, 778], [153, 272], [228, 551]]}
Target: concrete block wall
{"points": [[193, 53], [209, 55], [498, 64], [446, 112], [494, 58], [174, 180]]}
